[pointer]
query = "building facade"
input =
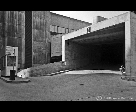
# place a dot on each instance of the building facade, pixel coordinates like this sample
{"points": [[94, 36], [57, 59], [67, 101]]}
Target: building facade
{"points": [[106, 45], [46, 25], [12, 28], [31, 32]]}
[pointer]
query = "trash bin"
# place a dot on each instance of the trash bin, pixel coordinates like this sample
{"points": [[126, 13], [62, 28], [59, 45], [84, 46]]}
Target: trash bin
{"points": [[12, 74]]}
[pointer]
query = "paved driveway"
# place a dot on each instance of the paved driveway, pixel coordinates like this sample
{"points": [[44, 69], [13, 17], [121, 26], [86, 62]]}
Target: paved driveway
{"points": [[70, 86]]}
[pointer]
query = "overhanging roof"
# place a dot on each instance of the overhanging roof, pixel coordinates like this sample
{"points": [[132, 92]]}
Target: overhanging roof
{"points": [[98, 26]]}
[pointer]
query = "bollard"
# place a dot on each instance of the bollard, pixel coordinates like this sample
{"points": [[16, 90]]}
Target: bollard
{"points": [[12, 74]]}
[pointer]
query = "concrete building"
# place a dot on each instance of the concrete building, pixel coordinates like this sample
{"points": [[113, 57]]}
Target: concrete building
{"points": [[104, 45], [44, 37], [32, 32], [46, 25], [12, 33]]}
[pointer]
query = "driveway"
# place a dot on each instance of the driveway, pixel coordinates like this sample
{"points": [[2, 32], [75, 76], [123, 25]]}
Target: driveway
{"points": [[70, 86]]}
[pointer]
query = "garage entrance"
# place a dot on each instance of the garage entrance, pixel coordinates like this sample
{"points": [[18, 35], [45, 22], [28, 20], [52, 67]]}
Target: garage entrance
{"points": [[100, 50], [110, 57]]}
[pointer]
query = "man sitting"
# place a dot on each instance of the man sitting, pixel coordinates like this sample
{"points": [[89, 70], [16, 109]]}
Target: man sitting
{"points": [[122, 69]]}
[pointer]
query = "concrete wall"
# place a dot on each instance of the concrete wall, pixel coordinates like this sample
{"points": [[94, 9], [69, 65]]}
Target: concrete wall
{"points": [[41, 33], [2, 40], [67, 22], [78, 56], [133, 44], [14, 32], [75, 56], [41, 37]]}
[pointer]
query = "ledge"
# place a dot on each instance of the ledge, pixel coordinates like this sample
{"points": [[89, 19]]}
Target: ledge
{"points": [[17, 80]]}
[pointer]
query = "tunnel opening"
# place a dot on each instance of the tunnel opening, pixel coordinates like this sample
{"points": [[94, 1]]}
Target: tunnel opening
{"points": [[108, 57], [98, 52]]}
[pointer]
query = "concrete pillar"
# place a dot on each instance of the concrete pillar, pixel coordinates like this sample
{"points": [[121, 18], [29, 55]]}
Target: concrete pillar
{"points": [[23, 40], [127, 48], [48, 36], [63, 48], [133, 44]]}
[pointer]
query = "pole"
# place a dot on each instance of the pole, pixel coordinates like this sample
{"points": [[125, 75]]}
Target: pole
{"points": [[13, 59], [12, 72]]}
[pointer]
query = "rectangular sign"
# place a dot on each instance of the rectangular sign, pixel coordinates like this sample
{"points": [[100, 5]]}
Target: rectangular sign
{"points": [[10, 50]]}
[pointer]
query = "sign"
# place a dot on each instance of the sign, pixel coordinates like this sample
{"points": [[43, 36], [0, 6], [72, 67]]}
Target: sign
{"points": [[89, 30], [9, 50]]}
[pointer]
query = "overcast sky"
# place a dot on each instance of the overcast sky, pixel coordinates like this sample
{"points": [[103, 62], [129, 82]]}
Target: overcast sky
{"points": [[89, 15]]}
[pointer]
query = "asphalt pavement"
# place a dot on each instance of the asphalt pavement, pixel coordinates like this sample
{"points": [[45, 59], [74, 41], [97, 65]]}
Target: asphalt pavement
{"points": [[70, 87]]}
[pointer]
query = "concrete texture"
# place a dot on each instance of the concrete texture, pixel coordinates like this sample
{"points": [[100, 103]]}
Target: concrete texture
{"points": [[114, 30], [127, 48], [67, 22], [41, 37], [101, 25], [75, 55], [70, 87], [93, 71], [133, 44], [98, 19], [95, 56], [16, 81], [13, 33]]}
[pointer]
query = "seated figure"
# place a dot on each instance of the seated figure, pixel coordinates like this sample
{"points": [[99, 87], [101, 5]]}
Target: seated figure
{"points": [[122, 69]]}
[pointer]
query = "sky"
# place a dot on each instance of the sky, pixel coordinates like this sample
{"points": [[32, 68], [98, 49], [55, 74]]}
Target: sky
{"points": [[89, 15]]}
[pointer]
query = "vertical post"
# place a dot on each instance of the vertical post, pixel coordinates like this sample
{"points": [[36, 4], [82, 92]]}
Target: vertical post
{"points": [[133, 43], [127, 48], [63, 48], [13, 59]]}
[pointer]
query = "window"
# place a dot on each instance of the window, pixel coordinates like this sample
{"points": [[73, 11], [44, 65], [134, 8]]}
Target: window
{"points": [[72, 30], [59, 30], [66, 30], [55, 29], [56, 59], [52, 28], [63, 30]]}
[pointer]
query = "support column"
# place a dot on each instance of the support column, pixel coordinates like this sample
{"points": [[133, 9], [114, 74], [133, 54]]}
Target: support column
{"points": [[133, 43], [28, 39], [63, 48], [127, 48]]}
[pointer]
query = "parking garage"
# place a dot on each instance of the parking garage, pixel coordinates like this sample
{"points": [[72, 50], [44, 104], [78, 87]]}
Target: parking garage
{"points": [[101, 46], [103, 49]]}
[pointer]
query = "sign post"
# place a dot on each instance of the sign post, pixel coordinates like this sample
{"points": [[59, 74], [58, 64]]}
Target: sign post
{"points": [[12, 72], [11, 62]]}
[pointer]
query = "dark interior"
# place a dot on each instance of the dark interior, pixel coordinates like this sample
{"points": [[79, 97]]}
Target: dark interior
{"points": [[56, 59], [111, 57], [103, 49]]}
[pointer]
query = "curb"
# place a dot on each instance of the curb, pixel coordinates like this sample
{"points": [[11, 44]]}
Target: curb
{"points": [[56, 73], [14, 81]]}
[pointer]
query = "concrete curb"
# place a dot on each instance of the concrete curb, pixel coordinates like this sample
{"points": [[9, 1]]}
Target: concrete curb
{"points": [[16, 81], [56, 73]]}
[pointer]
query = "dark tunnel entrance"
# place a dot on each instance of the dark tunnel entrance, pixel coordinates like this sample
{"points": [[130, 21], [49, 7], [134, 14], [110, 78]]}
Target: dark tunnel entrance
{"points": [[103, 50], [108, 57]]}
